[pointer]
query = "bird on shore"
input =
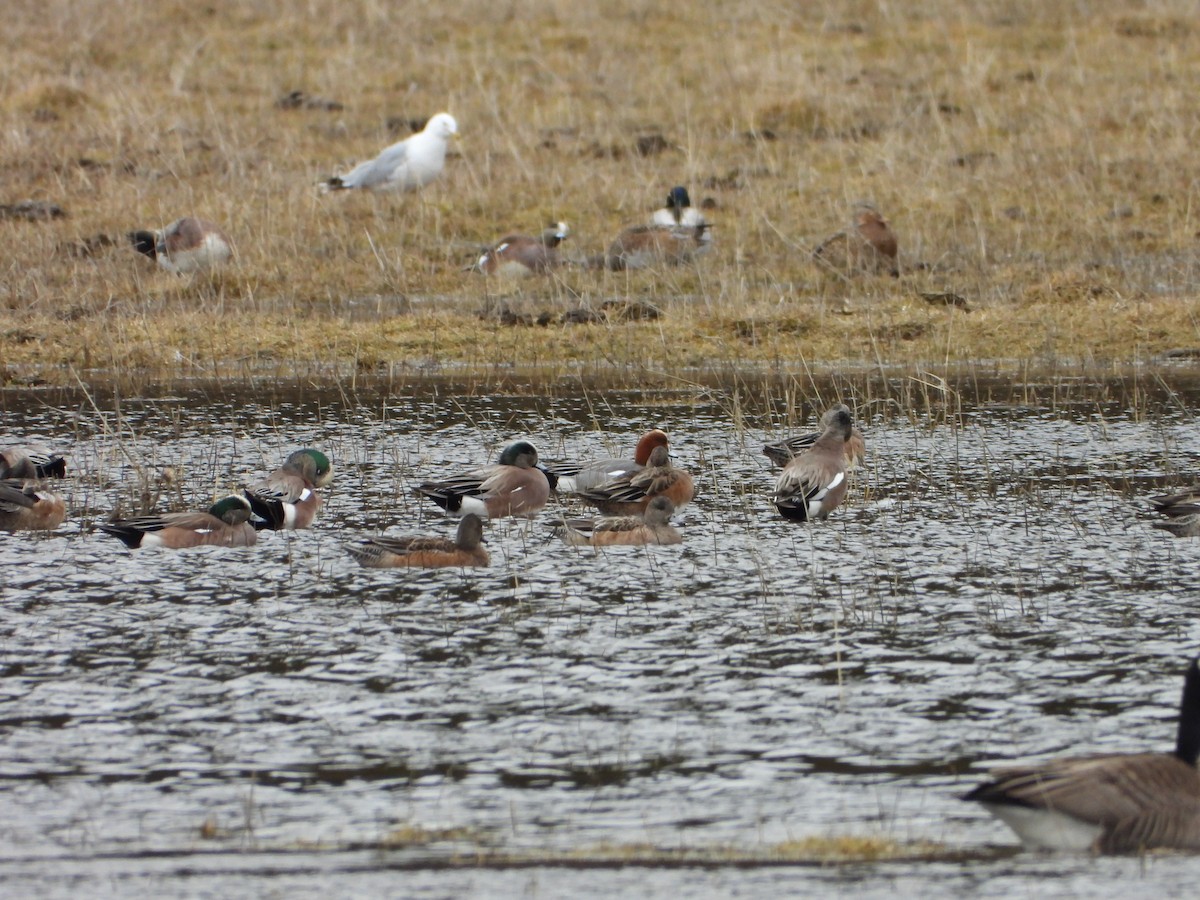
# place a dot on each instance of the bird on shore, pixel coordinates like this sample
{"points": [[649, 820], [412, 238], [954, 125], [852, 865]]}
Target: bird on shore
{"points": [[630, 494], [812, 484], [647, 246], [287, 498], [678, 211], [1182, 510], [1111, 803], [404, 166], [652, 527], [514, 486], [225, 524], [520, 254], [867, 246], [781, 452], [24, 506], [31, 463], [573, 477], [185, 246], [466, 549]]}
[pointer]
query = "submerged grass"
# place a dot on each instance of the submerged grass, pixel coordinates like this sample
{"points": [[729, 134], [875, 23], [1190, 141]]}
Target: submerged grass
{"points": [[1036, 160]]}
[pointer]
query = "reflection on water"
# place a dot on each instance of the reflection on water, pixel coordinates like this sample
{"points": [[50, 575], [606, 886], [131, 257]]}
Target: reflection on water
{"points": [[990, 591]]}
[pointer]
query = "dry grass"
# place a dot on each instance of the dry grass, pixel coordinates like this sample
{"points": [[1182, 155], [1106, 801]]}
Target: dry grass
{"points": [[1035, 158]]}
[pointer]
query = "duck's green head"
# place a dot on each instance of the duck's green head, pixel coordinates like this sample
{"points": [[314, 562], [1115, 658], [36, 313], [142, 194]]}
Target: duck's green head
{"points": [[312, 465], [522, 454], [232, 510]]}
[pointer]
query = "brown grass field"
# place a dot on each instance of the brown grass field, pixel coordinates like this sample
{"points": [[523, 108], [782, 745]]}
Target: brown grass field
{"points": [[1036, 159]]}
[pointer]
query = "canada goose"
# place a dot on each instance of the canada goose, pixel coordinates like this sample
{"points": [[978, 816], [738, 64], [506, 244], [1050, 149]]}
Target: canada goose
{"points": [[1117, 803]]}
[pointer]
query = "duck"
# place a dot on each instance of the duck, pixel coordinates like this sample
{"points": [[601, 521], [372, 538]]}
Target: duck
{"points": [[520, 254], [574, 477], [781, 452], [31, 464], [514, 486], [225, 524], [406, 165], [652, 527], [678, 211], [812, 484], [646, 246], [630, 494], [186, 246], [287, 499], [1111, 803], [1182, 510], [24, 506], [868, 245], [426, 552]]}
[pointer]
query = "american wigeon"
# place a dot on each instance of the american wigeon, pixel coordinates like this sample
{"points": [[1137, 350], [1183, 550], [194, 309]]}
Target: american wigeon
{"points": [[652, 527], [647, 246], [573, 477], [781, 452], [520, 254], [226, 524], [630, 494], [867, 246], [406, 165], [24, 506], [1182, 510], [514, 486], [678, 211], [812, 484], [1114, 803], [425, 552], [186, 245], [287, 498], [31, 463]]}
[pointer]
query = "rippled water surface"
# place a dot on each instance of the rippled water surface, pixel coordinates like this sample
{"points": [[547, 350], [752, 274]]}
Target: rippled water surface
{"points": [[238, 722]]}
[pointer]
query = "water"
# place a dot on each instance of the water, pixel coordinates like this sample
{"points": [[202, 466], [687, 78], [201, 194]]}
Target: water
{"points": [[233, 722]]}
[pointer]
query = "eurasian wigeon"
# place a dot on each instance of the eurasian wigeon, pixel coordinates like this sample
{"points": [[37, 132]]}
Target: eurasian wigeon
{"points": [[630, 494], [225, 524], [812, 484], [406, 165], [186, 245], [425, 552], [652, 527], [514, 486], [287, 498], [573, 477], [1112, 803], [867, 246], [31, 463], [781, 452], [25, 506], [520, 255]]}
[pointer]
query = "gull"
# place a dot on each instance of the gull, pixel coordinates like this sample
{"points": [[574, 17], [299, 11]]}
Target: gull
{"points": [[406, 165]]}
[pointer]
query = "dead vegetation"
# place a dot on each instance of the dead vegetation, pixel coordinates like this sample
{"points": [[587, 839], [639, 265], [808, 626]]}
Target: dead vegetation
{"points": [[1036, 163]]}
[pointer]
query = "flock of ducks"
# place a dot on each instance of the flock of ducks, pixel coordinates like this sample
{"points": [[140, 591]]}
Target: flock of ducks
{"points": [[675, 234], [1115, 803], [1109, 803]]}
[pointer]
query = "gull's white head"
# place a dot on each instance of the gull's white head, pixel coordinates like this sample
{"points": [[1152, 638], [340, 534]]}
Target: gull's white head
{"points": [[442, 125]]}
